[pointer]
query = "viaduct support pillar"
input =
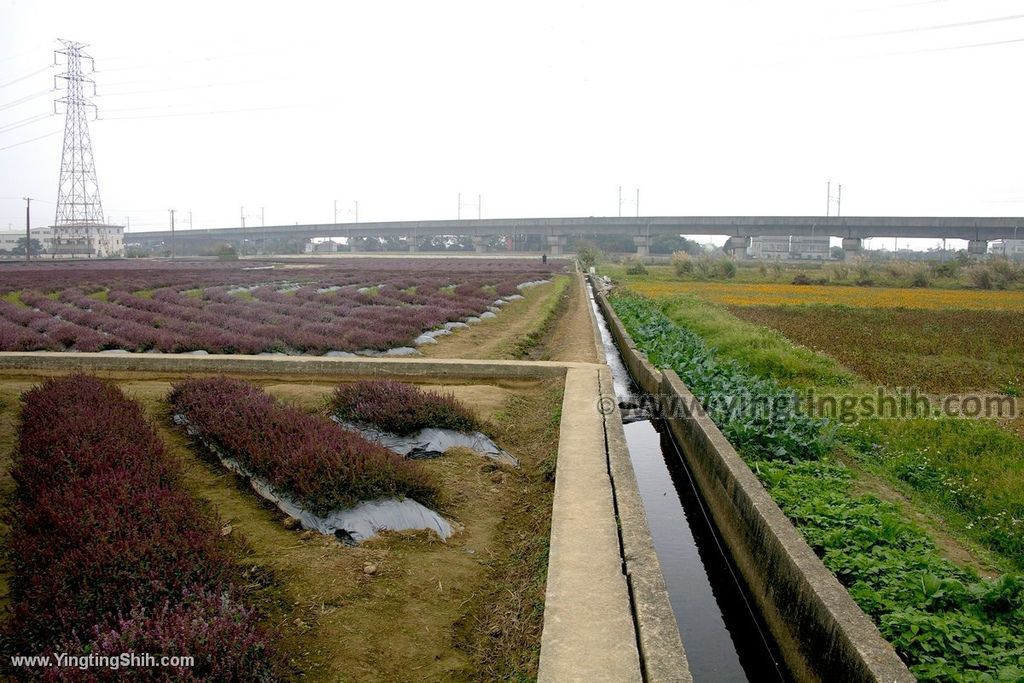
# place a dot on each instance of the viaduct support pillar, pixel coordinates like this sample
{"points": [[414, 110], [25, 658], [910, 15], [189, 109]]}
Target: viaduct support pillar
{"points": [[478, 244], [556, 244], [737, 246], [852, 246], [642, 249]]}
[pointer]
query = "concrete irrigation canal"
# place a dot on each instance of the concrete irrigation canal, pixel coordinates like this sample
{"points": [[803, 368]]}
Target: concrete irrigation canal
{"points": [[725, 638]]}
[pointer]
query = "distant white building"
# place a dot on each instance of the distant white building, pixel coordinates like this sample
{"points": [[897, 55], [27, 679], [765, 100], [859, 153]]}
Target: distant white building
{"points": [[92, 241], [770, 247], [807, 247], [790, 247], [10, 239], [1012, 249], [322, 247]]}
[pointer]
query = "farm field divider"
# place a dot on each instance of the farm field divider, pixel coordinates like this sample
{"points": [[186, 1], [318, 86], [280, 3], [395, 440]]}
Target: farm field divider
{"points": [[823, 634]]}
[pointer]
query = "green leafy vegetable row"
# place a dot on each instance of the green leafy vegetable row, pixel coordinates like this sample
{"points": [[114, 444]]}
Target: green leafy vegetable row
{"points": [[758, 416]]}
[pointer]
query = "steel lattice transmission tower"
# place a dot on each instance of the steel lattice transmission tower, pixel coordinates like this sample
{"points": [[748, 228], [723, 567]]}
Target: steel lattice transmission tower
{"points": [[79, 225]]}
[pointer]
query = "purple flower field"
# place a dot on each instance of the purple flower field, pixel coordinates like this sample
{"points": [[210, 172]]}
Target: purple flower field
{"points": [[247, 307], [110, 554]]}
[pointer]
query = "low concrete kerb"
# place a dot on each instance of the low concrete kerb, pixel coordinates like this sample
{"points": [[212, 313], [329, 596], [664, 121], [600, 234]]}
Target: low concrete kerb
{"points": [[283, 365], [588, 623]]}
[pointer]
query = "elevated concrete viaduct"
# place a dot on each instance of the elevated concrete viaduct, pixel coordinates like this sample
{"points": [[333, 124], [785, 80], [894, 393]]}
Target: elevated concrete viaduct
{"points": [[552, 234]]}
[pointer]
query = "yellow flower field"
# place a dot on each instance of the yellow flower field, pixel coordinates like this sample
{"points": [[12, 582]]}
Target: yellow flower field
{"points": [[771, 294]]}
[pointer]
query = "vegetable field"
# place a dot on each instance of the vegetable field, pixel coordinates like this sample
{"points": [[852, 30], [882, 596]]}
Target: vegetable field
{"points": [[946, 622], [936, 350], [357, 306], [774, 294]]}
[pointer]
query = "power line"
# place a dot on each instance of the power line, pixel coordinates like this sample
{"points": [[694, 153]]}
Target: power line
{"points": [[187, 87], [23, 122], [25, 142], [949, 48], [937, 27], [224, 111], [26, 52], [26, 76], [197, 60], [21, 198], [23, 100]]}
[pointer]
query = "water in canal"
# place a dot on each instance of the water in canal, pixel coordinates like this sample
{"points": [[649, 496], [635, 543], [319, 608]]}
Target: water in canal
{"points": [[725, 640]]}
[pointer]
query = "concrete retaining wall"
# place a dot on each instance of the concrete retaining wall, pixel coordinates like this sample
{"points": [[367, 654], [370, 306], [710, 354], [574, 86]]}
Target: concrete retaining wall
{"points": [[822, 633], [318, 366]]}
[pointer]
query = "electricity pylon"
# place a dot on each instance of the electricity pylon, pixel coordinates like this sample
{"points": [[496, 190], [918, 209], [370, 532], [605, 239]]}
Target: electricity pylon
{"points": [[78, 196]]}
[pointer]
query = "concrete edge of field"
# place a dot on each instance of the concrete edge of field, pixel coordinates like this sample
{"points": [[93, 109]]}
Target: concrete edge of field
{"points": [[44, 361], [822, 633], [588, 633]]}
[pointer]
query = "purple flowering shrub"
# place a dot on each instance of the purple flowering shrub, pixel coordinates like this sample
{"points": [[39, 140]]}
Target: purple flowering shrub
{"points": [[103, 535], [318, 463], [216, 629], [400, 408]]}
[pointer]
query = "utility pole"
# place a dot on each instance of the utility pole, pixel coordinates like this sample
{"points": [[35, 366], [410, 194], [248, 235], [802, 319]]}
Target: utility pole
{"points": [[28, 228], [478, 209], [626, 201], [335, 211], [172, 234], [190, 226], [242, 248], [458, 215], [838, 198], [357, 211]]}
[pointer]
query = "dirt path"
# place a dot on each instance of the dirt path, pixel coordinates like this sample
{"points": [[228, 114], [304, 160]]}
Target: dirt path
{"points": [[573, 337], [501, 337], [551, 323]]}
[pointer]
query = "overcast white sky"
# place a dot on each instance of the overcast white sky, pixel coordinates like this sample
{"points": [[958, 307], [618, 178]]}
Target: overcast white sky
{"points": [[544, 109]]}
